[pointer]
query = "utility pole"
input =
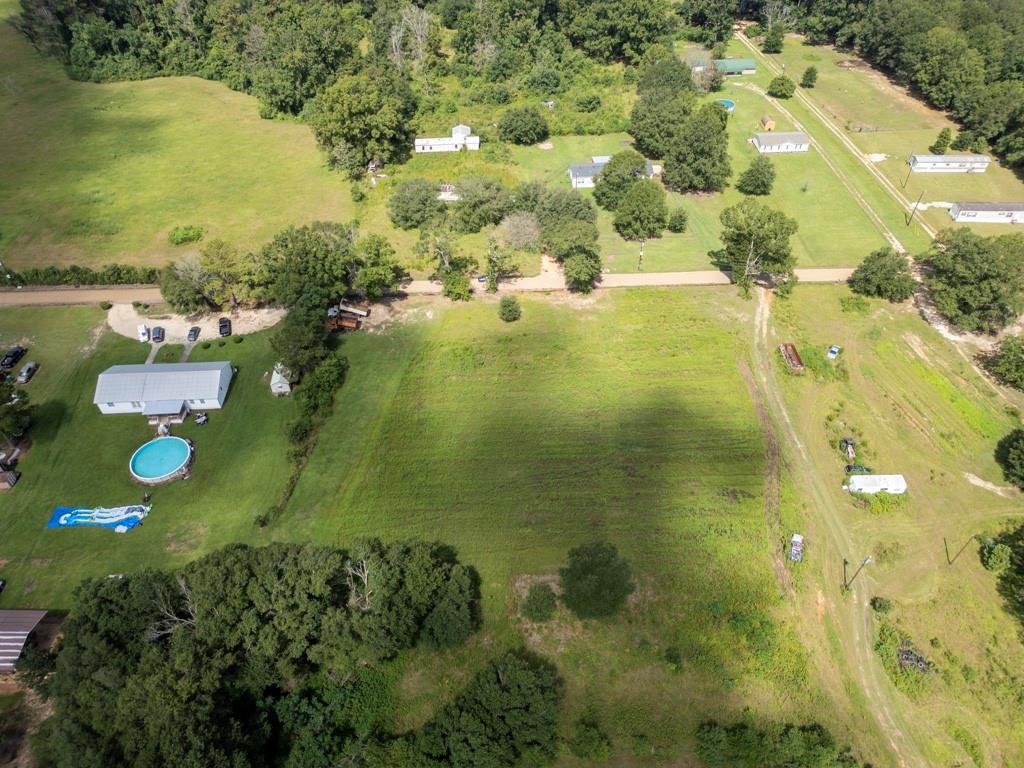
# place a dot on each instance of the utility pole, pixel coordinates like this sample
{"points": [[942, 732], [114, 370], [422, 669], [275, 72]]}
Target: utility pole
{"points": [[912, 212], [847, 583], [640, 263]]}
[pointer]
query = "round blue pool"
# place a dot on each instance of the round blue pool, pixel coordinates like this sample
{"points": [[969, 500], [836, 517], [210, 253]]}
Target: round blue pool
{"points": [[160, 460], [729, 104]]}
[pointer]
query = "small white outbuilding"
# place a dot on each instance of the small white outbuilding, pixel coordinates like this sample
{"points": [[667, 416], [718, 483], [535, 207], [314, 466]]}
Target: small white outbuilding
{"points": [[894, 484], [462, 137], [280, 381]]}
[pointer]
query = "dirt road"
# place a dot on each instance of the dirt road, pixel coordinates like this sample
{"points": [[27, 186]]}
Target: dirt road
{"points": [[121, 294], [851, 612]]}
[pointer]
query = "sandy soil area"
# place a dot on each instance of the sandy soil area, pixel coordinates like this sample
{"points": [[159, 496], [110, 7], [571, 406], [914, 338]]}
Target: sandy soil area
{"points": [[125, 320]]}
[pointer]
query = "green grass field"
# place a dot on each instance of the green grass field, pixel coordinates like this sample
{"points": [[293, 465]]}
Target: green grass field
{"points": [[623, 417], [918, 408], [97, 173], [882, 118]]}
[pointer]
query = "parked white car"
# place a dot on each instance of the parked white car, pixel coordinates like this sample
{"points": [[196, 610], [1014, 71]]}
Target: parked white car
{"points": [[144, 333]]}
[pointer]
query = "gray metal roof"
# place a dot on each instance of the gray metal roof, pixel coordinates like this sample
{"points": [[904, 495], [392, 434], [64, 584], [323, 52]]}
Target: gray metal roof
{"points": [[585, 170], [953, 158], [734, 65], [773, 139], [161, 381], [990, 206], [15, 627]]}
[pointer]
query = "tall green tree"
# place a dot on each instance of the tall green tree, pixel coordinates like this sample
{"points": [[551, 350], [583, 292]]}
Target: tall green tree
{"points": [[698, 155], [810, 77], [364, 117], [614, 30], [756, 241], [413, 203], [642, 213], [758, 178], [885, 274], [774, 39], [15, 411], [656, 119], [977, 283], [942, 142], [621, 173], [595, 580]]}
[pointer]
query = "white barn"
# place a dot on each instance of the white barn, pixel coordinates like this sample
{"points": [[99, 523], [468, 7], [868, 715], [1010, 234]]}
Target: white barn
{"points": [[584, 175], [949, 163], [462, 136], [895, 484], [987, 213], [163, 389], [791, 141]]}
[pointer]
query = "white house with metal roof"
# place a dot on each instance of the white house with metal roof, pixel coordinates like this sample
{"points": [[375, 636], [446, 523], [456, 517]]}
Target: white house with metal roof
{"points": [[895, 484], [987, 213], [949, 163], [783, 141], [584, 175], [462, 137], [163, 389]]}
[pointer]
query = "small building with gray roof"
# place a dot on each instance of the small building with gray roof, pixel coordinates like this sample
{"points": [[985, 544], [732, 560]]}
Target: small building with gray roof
{"points": [[774, 142], [987, 213]]}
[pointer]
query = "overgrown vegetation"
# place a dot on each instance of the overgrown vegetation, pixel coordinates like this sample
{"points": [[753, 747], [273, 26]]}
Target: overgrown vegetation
{"points": [[789, 746], [111, 274], [884, 274], [595, 580]]}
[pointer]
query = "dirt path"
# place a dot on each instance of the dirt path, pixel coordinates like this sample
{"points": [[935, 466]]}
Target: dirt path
{"points": [[851, 611], [772, 484], [555, 282], [121, 294]]}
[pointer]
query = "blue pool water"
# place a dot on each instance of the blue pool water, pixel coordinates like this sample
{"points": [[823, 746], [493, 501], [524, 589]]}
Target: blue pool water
{"points": [[729, 104], [159, 458]]}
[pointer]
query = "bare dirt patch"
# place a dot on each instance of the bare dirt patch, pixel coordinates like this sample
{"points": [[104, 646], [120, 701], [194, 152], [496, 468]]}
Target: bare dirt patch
{"points": [[185, 537], [1002, 490], [915, 343], [546, 145], [125, 320]]}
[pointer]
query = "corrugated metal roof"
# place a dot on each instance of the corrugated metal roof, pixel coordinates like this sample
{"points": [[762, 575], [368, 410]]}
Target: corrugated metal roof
{"points": [[1015, 207], [773, 139], [952, 158], [15, 627], [735, 65], [585, 170], [161, 381]]}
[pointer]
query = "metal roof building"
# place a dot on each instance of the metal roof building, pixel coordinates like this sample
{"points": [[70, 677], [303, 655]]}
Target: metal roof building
{"points": [[949, 163], [584, 175], [895, 484], [987, 213], [15, 627], [781, 141], [736, 66], [162, 388]]}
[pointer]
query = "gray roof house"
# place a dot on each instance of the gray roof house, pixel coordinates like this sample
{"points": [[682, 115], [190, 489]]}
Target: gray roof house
{"points": [[163, 389], [781, 141], [987, 213], [584, 175]]}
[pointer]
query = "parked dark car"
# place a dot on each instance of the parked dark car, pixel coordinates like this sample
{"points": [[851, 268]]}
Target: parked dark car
{"points": [[28, 370], [3, 584], [11, 358], [193, 333], [851, 468], [224, 326], [158, 334]]}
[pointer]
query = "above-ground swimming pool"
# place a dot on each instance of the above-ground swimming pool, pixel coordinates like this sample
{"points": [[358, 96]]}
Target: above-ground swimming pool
{"points": [[729, 104], [161, 460]]}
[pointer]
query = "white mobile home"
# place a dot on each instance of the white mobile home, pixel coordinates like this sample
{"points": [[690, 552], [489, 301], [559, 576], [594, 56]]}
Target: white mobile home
{"points": [[895, 484], [163, 389], [772, 142], [584, 175], [462, 137], [949, 163], [987, 213]]}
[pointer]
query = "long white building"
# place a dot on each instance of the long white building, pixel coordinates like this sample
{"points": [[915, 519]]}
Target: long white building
{"points": [[895, 484], [783, 141], [163, 389], [584, 175], [949, 163], [987, 213], [462, 137]]}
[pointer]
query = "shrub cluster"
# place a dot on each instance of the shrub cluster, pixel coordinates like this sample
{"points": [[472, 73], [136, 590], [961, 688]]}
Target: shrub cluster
{"points": [[111, 274]]}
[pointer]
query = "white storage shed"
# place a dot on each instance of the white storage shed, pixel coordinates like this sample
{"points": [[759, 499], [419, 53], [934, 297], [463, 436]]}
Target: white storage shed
{"points": [[894, 484], [784, 141]]}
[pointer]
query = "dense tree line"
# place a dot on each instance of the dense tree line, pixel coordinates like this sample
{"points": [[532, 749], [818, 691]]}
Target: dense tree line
{"points": [[260, 656], [965, 56], [111, 274], [791, 746]]}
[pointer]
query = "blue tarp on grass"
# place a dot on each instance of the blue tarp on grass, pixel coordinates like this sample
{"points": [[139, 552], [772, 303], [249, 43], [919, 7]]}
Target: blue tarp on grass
{"points": [[121, 519]]}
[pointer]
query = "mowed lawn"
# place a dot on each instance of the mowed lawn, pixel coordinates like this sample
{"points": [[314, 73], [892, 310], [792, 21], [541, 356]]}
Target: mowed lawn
{"points": [[624, 418], [884, 119], [91, 174], [79, 457], [919, 408]]}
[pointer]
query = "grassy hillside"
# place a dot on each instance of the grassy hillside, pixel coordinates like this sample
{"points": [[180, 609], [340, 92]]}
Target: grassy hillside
{"points": [[96, 173]]}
